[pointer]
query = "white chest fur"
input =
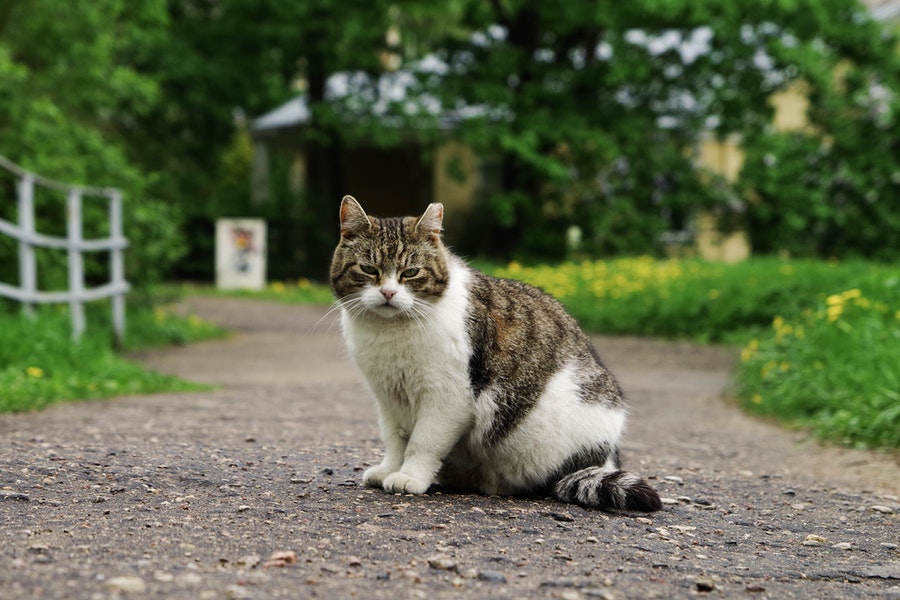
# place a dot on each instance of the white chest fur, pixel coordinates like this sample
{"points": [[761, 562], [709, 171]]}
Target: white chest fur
{"points": [[407, 359]]}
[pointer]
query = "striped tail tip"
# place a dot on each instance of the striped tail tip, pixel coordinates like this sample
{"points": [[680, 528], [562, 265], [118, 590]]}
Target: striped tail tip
{"points": [[596, 487]]}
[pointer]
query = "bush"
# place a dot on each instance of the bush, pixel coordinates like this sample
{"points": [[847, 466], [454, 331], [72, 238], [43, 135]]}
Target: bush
{"points": [[834, 368]]}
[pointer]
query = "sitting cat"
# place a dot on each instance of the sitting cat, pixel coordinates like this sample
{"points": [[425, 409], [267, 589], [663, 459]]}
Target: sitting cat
{"points": [[481, 383]]}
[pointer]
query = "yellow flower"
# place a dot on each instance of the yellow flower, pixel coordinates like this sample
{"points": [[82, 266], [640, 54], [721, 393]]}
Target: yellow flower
{"points": [[35, 372], [781, 328], [756, 399], [303, 283], [749, 350], [834, 312], [277, 287], [850, 294], [834, 300]]}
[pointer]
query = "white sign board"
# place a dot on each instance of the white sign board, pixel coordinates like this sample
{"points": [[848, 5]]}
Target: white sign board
{"points": [[240, 254]]}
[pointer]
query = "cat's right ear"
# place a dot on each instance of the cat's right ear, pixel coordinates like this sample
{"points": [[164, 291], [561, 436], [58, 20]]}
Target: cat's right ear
{"points": [[354, 220]]}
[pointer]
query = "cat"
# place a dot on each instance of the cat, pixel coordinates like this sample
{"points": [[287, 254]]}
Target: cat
{"points": [[481, 384]]}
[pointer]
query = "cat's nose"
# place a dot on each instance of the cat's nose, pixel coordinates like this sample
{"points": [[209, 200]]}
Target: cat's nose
{"points": [[388, 294]]}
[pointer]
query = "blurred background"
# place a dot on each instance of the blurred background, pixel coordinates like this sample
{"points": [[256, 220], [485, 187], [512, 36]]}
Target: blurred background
{"points": [[710, 128]]}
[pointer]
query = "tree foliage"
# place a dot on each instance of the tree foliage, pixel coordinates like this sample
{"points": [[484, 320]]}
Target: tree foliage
{"points": [[596, 106], [585, 115], [70, 95]]}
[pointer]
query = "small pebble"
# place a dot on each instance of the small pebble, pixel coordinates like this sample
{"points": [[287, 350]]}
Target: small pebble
{"points": [[673, 479], [127, 584], [704, 585], [492, 576], [883, 509], [814, 540], [843, 546], [442, 563]]}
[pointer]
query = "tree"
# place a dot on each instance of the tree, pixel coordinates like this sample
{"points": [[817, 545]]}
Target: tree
{"points": [[226, 61], [70, 93], [593, 108]]}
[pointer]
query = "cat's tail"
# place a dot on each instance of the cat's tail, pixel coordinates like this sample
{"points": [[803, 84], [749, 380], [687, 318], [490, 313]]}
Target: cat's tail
{"points": [[599, 487]]}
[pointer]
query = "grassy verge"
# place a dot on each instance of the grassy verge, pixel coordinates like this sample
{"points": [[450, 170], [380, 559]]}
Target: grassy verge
{"points": [[301, 291], [835, 367], [40, 364]]}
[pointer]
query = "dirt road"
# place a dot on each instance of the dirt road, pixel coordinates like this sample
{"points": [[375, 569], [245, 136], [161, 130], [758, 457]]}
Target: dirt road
{"points": [[253, 491]]}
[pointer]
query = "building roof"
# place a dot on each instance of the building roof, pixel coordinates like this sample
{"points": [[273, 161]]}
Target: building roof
{"points": [[883, 10]]}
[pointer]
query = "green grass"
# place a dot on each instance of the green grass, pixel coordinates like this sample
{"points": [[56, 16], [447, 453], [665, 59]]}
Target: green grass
{"points": [[834, 368], [40, 364], [302, 291]]}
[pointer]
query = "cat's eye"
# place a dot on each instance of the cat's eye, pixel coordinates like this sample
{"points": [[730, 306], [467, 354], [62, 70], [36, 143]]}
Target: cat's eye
{"points": [[368, 269], [411, 272]]}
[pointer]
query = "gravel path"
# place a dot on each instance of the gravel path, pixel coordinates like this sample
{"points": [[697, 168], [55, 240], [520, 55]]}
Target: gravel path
{"points": [[253, 491]]}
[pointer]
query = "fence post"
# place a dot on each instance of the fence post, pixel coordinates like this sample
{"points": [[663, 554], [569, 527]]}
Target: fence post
{"points": [[117, 266], [27, 260], [76, 262]]}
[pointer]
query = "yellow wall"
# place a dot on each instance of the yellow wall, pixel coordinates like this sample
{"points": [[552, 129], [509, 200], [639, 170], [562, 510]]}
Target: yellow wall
{"points": [[725, 158]]}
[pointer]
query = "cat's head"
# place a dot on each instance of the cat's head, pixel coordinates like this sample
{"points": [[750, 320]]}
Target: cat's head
{"points": [[389, 268]]}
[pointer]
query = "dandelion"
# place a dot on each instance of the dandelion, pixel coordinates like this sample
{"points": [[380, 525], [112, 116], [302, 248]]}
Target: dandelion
{"points": [[277, 287], [749, 350], [834, 312], [756, 399], [781, 328], [303, 283], [34, 372]]}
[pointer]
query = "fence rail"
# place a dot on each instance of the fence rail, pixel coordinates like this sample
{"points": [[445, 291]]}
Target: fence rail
{"points": [[74, 244]]}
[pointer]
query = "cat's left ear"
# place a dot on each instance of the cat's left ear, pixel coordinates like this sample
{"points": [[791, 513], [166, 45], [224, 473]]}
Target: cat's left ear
{"points": [[431, 220]]}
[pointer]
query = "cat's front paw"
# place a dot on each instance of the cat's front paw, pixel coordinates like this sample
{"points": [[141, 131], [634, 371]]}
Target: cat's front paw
{"points": [[375, 476], [401, 483]]}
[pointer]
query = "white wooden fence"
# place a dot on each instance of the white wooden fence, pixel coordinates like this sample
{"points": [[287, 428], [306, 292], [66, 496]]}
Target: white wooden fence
{"points": [[73, 244]]}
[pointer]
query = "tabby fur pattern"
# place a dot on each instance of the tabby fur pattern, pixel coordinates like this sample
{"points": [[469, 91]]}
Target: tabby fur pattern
{"points": [[481, 384]]}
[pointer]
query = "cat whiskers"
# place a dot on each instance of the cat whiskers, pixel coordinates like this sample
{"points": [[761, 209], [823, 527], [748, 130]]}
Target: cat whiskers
{"points": [[422, 314]]}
